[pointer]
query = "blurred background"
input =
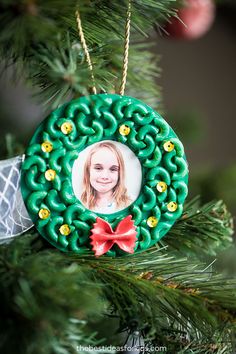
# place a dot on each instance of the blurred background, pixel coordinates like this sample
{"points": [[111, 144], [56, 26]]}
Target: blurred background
{"points": [[198, 80], [199, 101]]}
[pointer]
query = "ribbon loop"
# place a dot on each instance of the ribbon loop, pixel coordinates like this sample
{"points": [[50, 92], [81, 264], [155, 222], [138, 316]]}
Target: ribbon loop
{"points": [[14, 218]]}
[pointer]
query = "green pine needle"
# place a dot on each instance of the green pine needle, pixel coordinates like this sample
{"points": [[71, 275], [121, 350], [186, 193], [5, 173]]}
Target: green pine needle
{"points": [[203, 230], [28, 24], [165, 293]]}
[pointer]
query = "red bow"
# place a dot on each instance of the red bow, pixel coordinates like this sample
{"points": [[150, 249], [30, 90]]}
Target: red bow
{"points": [[103, 237]]}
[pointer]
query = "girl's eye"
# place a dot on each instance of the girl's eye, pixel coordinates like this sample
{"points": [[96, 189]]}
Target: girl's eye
{"points": [[114, 169], [98, 168]]}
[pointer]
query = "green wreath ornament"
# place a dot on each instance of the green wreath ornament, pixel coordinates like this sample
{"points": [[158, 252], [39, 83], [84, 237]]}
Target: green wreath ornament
{"points": [[46, 183]]}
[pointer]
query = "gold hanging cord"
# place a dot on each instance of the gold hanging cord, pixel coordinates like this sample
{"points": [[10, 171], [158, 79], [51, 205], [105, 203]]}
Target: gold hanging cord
{"points": [[126, 50], [85, 48]]}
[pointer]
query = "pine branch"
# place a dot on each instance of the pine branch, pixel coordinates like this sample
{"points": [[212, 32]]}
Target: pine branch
{"points": [[45, 287], [43, 303], [178, 341], [176, 293], [28, 24], [33, 36], [143, 72], [202, 230], [61, 72]]}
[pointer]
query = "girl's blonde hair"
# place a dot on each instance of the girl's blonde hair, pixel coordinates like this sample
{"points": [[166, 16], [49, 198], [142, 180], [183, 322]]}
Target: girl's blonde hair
{"points": [[120, 196]]}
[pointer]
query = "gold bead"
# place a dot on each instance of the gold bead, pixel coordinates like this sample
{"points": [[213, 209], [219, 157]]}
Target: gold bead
{"points": [[168, 146], [50, 175], [66, 128], [44, 213], [152, 221], [124, 129], [161, 187], [65, 229], [46, 146], [172, 206]]}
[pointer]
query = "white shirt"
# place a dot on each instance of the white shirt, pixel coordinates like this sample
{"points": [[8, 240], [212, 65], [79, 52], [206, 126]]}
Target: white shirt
{"points": [[109, 209]]}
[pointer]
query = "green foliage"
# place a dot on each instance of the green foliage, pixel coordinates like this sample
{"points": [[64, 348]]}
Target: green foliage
{"points": [[46, 294], [203, 230], [43, 301], [41, 38], [180, 343], [61, 72], [26, 24]]}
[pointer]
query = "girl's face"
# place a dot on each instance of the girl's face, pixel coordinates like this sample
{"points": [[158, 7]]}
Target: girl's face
{"points": [[104, 170]]}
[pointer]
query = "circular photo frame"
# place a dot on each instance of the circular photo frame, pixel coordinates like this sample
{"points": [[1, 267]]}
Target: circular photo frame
{"points": [[104, 173], [103, 177]]}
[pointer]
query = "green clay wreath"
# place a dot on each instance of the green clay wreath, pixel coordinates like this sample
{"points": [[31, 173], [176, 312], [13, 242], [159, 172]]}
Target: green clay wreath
{"points": [[47, 189]]}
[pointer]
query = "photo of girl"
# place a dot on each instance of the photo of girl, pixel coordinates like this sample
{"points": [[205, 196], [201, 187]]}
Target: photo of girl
{"points": [[107, 177], [104, 189]]}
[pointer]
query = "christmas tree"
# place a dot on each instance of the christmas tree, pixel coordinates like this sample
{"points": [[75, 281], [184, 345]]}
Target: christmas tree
{"points": [[170, 298]]}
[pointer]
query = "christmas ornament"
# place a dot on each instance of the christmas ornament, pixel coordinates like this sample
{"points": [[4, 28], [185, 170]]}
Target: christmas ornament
{"points": [[96, 126], [104, 173], [194, 19]]}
